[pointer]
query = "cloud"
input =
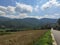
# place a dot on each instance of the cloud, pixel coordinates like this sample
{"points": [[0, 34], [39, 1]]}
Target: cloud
{"points": [[38, 17], [11, 8], [2, 8], [54, 16], [50, 4], [2, 13], [18, 11], [23, 8], [25, 15], [22, 15]]}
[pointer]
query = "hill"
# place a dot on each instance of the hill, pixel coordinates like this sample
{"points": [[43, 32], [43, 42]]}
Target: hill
{"points": [[29, 23]]}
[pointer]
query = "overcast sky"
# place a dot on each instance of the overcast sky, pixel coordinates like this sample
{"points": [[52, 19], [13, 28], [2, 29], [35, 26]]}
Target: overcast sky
{"points": [[30, 8]]}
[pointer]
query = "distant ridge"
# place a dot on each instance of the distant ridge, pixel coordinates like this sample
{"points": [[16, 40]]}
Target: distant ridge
{"points": [[26, 22]]}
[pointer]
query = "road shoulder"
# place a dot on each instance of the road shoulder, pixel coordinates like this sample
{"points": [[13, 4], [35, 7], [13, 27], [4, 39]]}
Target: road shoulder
{"points": [[54, 41]]}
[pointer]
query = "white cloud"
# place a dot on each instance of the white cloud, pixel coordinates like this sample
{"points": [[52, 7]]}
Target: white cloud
{"points": [[22, 15], [2, 8], [22, 10], [2, 13], [50, 4], [25, 15], [23, 7], [19, 11], [49, 16], [38, 17], [54, 16], [11, 8]]}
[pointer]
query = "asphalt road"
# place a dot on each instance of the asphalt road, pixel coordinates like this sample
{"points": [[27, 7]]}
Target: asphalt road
{"points": [[56, 36]]}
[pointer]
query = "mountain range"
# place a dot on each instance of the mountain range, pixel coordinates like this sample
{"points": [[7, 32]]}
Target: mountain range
{"points": [[25, 23]]}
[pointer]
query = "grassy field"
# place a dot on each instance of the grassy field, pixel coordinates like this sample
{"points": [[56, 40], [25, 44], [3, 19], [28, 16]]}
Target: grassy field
{"points": [[21, 38], [46, 39]]}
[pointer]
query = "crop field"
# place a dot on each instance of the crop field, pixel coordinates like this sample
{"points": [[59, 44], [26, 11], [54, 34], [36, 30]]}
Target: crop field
{"points": [[21, 37]]}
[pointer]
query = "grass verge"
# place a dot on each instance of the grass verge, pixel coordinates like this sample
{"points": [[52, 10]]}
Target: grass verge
{"points": [[46, 39]]}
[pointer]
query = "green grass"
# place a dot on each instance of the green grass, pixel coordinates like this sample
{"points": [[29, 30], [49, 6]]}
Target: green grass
{"points": [[46, 39], [4, 33]]}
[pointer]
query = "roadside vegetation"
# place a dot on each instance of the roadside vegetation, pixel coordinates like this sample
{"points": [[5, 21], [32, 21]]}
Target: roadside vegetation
{"points": [[46, 39]]}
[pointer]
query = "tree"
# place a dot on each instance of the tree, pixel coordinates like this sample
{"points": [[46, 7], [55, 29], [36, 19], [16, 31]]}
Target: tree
{"points": [[58, 24], [58, 21]]}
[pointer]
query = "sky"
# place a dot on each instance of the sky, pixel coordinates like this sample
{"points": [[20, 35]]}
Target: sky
{"points": [[30, 8]]}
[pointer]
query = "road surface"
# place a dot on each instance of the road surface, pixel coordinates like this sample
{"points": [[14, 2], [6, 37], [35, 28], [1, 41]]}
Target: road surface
{"points": [[56, 36]]}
